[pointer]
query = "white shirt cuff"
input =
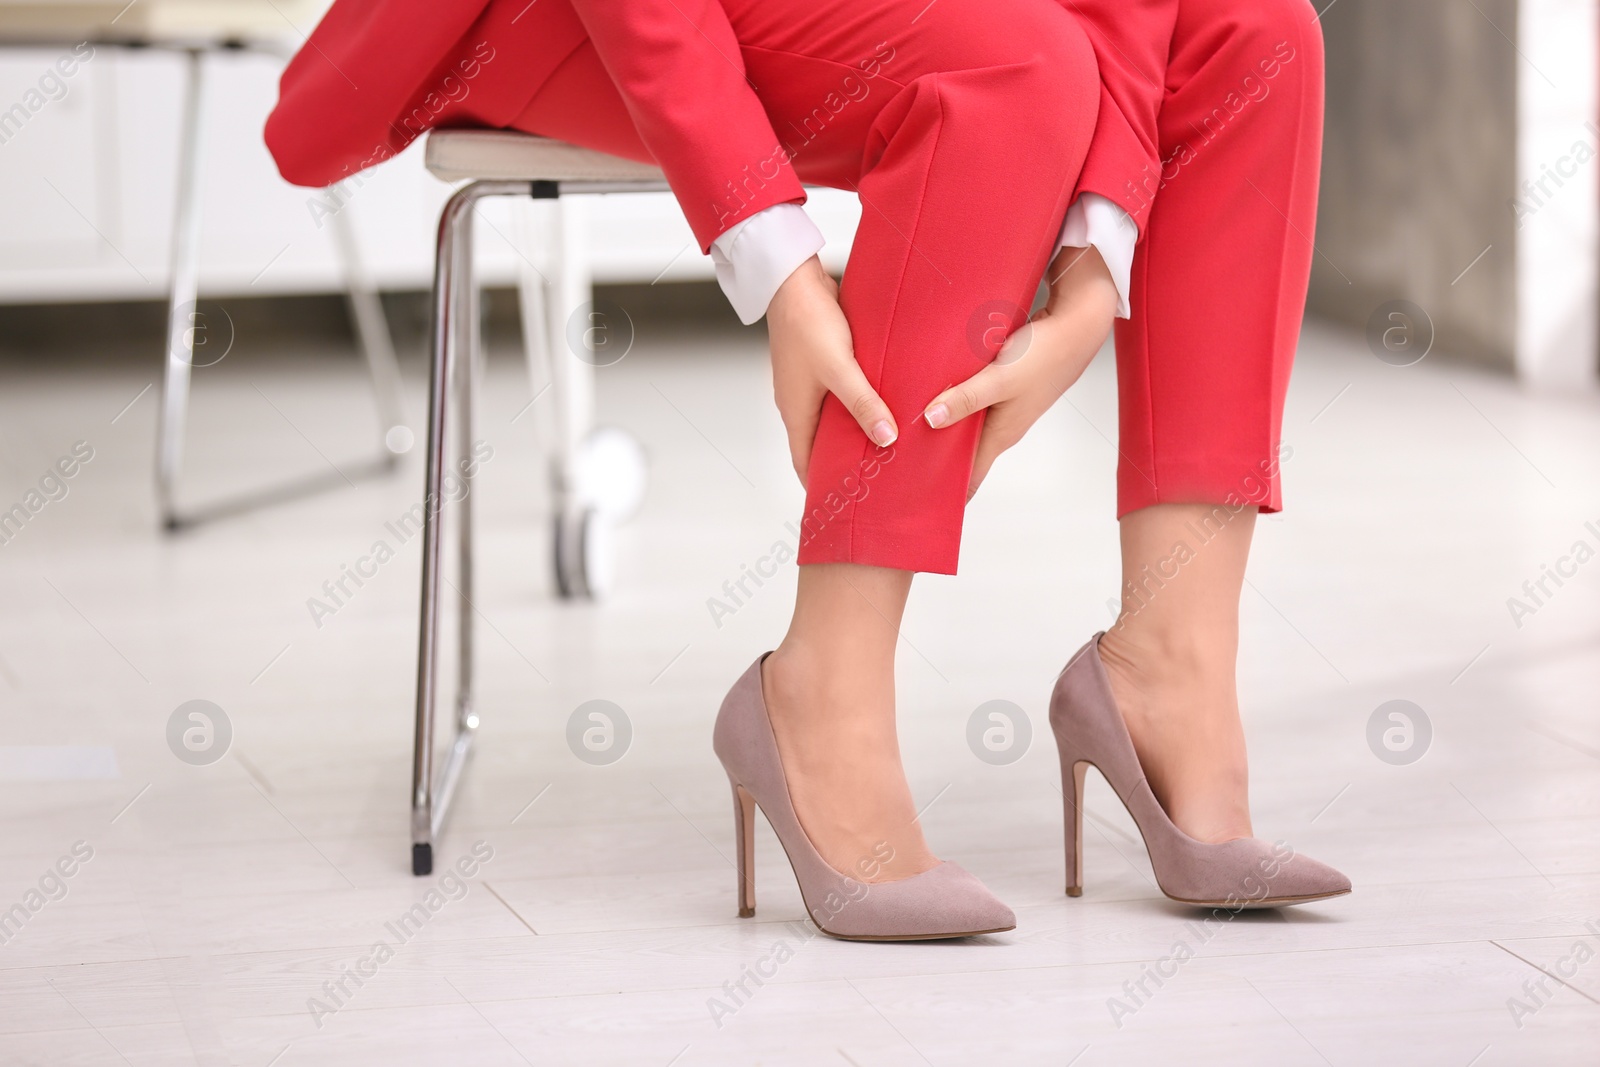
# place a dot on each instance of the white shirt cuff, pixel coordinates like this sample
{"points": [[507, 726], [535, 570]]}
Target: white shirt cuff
{"points": [[759, 253], [1094, 220]]}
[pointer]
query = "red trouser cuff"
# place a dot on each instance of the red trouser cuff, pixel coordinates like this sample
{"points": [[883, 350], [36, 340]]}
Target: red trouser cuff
{"points": [[1235, 481]]}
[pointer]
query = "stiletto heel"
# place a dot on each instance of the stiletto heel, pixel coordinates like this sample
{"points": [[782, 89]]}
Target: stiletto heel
{"points": [[942, 902], [744, 835], [1073, 821], [1244, 873]]}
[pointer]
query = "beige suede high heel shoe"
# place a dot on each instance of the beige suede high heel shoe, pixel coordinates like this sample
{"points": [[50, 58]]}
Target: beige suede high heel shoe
{"points": [[1243, 873], [942, 902]]}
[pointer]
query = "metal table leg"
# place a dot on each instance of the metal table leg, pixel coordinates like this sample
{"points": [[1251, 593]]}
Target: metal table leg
{"points": [[182, 311], [185, 323]]}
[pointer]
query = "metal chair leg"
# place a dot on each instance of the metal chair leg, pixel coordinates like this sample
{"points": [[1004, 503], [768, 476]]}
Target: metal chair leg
{"points": [[182, 309], [452, 367], [571, 376], [533, 225], [576, 529], [466, 366], [453, 362]]}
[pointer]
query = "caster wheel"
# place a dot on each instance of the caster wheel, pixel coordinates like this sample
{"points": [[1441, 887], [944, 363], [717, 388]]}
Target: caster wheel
{"points": [[398, 440], [582, 555], [610, 471], [421, 859]]}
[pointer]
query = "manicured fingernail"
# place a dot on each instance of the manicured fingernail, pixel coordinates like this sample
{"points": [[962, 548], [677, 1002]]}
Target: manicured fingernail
{"points": [[936, 415], [883, 433]]}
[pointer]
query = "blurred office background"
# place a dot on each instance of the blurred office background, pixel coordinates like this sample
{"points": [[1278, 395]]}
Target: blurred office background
{"points": [[1441, 116], [1445, 432]]}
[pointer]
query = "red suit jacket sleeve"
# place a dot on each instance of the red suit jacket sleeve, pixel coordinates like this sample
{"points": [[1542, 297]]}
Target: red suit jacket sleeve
{"points": [[678, 67], [1132, 39]]}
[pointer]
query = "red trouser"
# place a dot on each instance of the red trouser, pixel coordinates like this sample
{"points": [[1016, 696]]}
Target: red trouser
{"points": [[963, 127]]}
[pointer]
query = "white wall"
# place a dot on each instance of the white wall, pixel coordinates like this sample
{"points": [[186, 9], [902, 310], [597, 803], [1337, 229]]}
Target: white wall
{"points": [[1558, 165], [87, 186]]}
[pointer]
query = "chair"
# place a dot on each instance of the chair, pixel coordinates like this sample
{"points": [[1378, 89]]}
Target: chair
{"points": [[509, 164]]}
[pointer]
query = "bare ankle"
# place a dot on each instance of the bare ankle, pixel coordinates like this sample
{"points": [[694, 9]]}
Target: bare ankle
{"points": [[1151, 655], [799, 672], [782, 678], [832, 714]]}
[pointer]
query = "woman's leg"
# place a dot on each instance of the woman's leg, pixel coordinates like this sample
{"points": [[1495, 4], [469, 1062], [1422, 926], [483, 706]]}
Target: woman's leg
{"points": [[1219, 281], [964, 164], [966, 176], [1219, 287], [829, 689], [1170, 657], [962, 125], [580, 105]]}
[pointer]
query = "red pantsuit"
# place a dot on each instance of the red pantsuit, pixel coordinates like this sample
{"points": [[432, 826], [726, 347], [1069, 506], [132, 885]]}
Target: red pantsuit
{"points": [[966, 127]]}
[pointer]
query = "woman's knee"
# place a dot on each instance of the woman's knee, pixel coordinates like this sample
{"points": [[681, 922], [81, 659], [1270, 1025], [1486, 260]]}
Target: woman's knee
{"points": [[1058, 63], [1265, 34], [1042, 50], [1064, 68], [1038, 83], [1281, 25]]}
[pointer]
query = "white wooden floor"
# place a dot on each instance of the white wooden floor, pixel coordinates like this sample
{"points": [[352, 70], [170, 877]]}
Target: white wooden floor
{"points": [[220, 899]]}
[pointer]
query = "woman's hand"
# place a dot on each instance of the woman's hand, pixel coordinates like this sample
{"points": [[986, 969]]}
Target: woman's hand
{"points": [[1037, 363], [812, 356]]}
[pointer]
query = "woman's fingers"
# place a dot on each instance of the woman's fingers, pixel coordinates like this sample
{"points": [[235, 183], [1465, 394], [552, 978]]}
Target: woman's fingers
{"points": [[981, 462], [1058, 341], [988, 386], [992, 384], [801, 409], [1002, 429], [812, 356], [799, 400], [846, 381], [802, 431]]}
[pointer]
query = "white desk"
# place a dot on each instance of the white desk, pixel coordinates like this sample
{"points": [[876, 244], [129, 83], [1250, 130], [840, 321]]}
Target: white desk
{"points": [[86, 183]]}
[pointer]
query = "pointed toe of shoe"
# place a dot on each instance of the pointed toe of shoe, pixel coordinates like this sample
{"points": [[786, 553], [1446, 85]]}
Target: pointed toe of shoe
{"points": [[971, 908], [944, 902], [1303, 878], [1247, 873], [1292, 879]]}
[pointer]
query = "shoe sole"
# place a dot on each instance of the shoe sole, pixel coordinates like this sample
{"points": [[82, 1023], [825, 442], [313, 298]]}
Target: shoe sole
{"points": [[908, 937], [1257, 905]]}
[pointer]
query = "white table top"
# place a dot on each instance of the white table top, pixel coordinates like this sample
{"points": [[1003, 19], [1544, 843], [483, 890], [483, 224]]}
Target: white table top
{"points": [[158, 22]]}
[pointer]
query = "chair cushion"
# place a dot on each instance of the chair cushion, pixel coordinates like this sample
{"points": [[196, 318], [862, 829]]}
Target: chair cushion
{"points": [[511, 156]]}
